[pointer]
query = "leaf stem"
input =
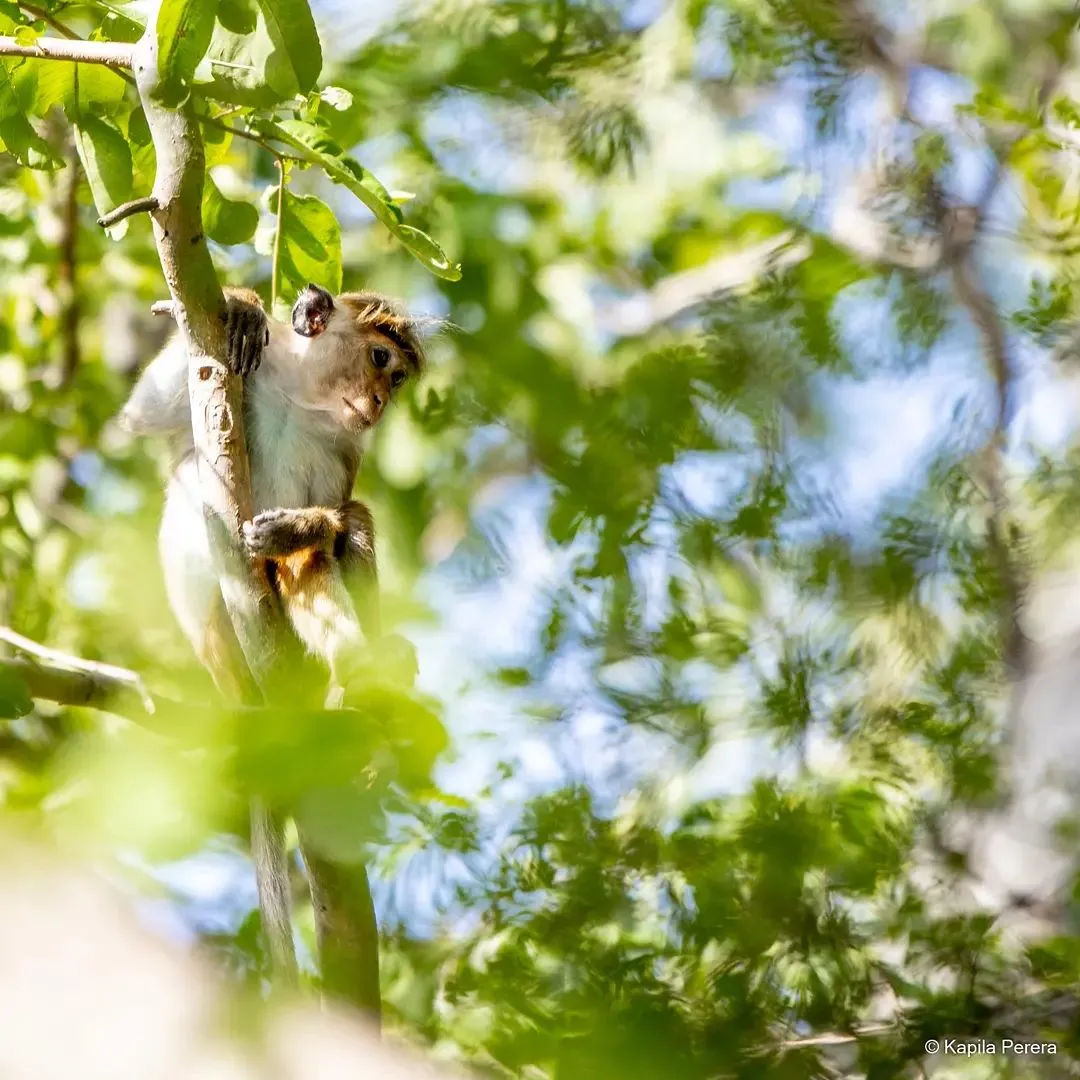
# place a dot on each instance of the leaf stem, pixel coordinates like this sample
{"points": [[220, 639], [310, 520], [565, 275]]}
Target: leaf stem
{"points": [[274, 271]]}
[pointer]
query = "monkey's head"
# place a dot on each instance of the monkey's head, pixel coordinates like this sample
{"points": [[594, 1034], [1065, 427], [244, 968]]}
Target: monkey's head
{"points": [[362, 349]]}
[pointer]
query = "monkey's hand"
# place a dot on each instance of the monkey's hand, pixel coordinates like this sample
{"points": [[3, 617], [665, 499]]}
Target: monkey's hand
{"points": [[247, 333], [274, 534]]}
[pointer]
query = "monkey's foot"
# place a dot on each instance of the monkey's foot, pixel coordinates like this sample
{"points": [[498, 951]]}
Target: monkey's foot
{"points": [[394, 657], [274, 534], [247, 333]]}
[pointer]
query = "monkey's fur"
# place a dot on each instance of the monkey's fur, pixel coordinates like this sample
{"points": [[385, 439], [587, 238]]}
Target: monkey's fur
{"points": [[311, 391]]}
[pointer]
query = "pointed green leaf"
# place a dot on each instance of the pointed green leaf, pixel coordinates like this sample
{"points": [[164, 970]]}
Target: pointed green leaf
{"points": [[106, 159], [316, 147], [293, 29], [262, 52], [41, 84]]}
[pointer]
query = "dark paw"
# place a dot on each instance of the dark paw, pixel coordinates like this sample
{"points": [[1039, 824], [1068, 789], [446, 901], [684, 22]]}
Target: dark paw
{"points": [[273, 534], [247, 333]]}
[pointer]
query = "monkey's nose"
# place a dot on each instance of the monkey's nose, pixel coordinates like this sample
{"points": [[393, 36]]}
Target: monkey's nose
{"points": [[377, 399]]}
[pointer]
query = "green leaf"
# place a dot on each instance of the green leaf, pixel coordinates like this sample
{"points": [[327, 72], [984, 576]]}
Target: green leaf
{"points": [[262, 52], [106, 159], [184, 30], [238, 16], [291, 25], [310, 248], [227, 221], [41, 84], [26, 35], [18, 135], [317, 148], [15, 700]]}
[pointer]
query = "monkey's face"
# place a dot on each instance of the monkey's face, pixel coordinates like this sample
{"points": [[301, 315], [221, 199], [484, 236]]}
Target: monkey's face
{"points": [[352, 367], [366, 379]]}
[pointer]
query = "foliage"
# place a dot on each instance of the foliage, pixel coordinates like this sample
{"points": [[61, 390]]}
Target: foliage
{"points": [[766, 633]]}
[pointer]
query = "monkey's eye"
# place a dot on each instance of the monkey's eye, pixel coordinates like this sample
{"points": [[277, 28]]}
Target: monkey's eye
{"points": [[380, 356], [397, 378]]}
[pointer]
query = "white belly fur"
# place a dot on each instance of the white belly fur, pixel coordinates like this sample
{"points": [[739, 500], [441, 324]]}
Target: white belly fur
{"points": [[295, 463]]}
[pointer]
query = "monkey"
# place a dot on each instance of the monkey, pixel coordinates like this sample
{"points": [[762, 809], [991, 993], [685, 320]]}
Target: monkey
{"points": [[312, 390]]}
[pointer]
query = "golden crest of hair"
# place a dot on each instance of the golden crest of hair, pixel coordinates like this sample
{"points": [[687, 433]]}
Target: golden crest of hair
{"points": [[373, 311]]}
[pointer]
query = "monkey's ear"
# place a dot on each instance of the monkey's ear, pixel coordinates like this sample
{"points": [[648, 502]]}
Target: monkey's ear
{"points": [[312, 311]]}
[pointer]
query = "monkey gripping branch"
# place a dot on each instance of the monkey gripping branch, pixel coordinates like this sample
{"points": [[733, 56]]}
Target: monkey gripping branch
{"points": [[181, 40]]}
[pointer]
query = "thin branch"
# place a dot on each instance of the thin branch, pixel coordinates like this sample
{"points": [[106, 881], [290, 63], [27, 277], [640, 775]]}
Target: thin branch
{"points": [[837, 1038], [250, 136], [681, 292], [43, 16], [99, 674], [113, 54], [145, 205]]}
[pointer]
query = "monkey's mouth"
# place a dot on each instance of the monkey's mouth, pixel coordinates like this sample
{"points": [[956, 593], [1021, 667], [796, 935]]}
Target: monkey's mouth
{"points": [[355, 413]]}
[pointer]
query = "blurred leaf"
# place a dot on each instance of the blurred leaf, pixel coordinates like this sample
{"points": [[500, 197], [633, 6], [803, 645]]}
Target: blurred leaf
{"points": [[15, 700]]}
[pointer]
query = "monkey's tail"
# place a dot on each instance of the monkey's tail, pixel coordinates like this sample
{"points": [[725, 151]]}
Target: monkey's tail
{"points": [[223, 658], [275, 898]]}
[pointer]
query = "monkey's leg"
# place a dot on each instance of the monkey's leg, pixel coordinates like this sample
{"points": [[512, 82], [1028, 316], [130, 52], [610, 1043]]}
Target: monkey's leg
{"points": [[327, 577], [303, 547]]}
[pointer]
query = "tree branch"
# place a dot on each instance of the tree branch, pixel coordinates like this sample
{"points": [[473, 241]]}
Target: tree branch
{"points": [[253, 645], [346, 928], [97, 678], [112, 54], [681, 292]]}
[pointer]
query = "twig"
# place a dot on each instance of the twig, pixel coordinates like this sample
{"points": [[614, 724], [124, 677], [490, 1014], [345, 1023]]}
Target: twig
{"points": [[43, 16], [258, 140], [836, 1038], [147, 204], [113, 54], [680, 292]]}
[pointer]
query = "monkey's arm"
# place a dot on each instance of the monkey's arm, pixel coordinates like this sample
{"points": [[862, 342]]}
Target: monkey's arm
{"points": [[159, 403]]}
